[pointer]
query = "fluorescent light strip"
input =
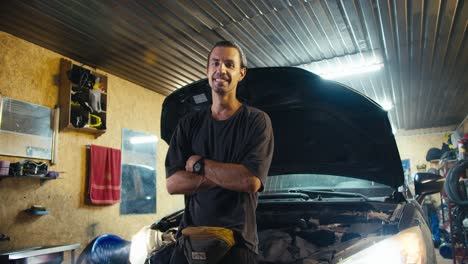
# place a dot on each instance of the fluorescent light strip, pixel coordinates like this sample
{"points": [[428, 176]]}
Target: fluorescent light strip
{"points": [[350, 70]]}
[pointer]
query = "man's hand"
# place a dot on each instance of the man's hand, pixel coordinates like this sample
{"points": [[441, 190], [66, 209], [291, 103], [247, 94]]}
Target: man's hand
{"points": [[189, 163]]}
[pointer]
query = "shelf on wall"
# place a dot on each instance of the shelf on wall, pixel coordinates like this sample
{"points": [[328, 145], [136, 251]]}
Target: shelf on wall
{"points": [[37, 210], [67, 106], [34, 212], [41, 178]]}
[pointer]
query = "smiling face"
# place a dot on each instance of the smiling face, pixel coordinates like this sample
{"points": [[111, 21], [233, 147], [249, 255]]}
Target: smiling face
{"points": [[224, 70]]}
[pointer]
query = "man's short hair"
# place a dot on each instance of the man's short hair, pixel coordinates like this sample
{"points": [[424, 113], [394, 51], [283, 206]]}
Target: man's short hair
{"points": [[230, 44]]}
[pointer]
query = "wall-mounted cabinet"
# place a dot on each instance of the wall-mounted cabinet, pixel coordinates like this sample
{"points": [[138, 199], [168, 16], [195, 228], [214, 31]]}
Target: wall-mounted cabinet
{"points": [[82, 99]]}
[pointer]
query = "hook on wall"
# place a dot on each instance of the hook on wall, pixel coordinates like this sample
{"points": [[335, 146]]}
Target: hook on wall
{"points": [[4, 237]]}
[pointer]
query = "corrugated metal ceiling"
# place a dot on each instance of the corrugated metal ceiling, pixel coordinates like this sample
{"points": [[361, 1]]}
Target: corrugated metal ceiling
{"points": [[162, 45]]}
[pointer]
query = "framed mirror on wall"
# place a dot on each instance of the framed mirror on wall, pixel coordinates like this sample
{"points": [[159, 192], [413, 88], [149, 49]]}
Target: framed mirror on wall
{"points": [[138, 184], [26, 130]]}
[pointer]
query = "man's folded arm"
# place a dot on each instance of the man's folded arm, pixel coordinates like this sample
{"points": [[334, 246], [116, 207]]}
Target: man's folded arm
{"points": [[231, 176], [184, 182]]}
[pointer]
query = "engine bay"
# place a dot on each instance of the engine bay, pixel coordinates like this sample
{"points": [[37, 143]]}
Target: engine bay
{"points": [[325, 233]]}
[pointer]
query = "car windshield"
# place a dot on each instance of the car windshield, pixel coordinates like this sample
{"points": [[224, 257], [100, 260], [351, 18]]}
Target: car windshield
{"points": [[322, 182]]}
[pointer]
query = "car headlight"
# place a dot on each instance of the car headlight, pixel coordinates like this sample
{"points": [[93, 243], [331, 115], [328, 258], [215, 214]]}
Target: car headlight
{"points": [[406, 247], [143, 243]]}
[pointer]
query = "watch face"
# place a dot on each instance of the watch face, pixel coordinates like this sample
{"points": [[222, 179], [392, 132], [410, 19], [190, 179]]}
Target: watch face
{"points": [[197, 167]]}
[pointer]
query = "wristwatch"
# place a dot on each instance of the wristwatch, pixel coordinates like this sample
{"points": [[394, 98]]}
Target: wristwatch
{"points": [[198, 166]]}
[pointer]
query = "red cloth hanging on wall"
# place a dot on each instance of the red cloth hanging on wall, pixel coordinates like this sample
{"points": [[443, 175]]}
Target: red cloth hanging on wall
{"points": [[104, 178]]}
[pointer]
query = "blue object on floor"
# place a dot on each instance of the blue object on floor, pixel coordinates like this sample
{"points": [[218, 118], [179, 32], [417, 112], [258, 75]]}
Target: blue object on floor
{"points": [[434, 224], [105, 249], [446, 250]]}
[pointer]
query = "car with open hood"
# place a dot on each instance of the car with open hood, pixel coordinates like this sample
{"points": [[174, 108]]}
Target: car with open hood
{"points": [[336, 190]]}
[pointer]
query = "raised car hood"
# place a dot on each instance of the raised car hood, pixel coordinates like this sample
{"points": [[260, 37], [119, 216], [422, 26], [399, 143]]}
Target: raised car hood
{"points": [[319, 126]]}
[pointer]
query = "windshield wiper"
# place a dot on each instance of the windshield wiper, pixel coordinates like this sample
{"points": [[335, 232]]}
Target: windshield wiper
{"points": [[319, 195], [284, 195]]}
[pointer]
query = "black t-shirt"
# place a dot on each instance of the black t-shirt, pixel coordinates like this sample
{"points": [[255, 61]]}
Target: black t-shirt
{"points": [[245, 138]]}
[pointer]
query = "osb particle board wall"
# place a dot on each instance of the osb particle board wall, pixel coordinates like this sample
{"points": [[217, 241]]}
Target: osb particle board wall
{"points": [[30, 73], [415, 148]]}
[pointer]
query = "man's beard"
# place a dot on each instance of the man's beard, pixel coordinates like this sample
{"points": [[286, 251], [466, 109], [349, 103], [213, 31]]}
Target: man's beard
{"points": [[221, 90]]}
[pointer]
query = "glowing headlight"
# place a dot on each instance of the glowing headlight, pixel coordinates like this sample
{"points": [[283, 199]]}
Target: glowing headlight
{"points": [[143, 243], [407, 247]]}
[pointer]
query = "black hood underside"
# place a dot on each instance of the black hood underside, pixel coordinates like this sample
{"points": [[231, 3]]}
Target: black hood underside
{"points": [[320, 127]]}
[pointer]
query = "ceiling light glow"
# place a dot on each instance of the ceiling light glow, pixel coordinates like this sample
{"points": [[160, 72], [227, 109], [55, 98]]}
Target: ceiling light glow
{"points": [[387, 105], [347, 70], [394, 129]]}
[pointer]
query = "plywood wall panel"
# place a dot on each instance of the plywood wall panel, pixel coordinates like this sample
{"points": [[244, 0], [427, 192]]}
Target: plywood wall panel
{"points": [[415, 148], [30, 73]]}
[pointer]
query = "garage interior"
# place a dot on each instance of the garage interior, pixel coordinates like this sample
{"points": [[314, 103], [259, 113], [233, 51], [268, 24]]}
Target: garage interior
{"points": [[408, 56]]}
